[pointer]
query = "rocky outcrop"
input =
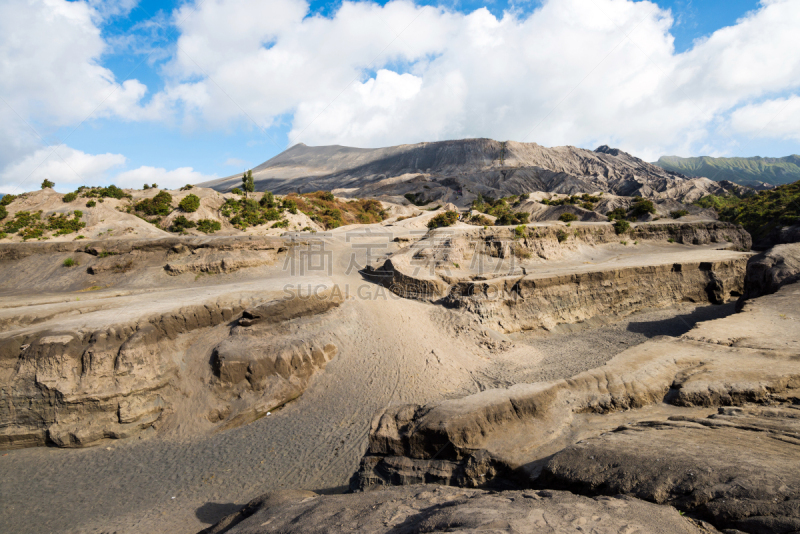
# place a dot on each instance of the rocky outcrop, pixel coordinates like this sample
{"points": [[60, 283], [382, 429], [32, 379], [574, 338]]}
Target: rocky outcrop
{"points": [[665, 387], [72, 388], [769, 271], [271, 356], [75, 386], [440, 509], [216, 262], [736, 469], [498, 275]]}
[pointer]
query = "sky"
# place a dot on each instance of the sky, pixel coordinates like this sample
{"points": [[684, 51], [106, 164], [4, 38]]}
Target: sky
{"points": [[129, 92]]}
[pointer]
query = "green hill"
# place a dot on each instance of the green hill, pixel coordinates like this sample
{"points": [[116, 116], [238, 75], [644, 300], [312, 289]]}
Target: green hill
{"points": [[759, 213], [743, 171]]}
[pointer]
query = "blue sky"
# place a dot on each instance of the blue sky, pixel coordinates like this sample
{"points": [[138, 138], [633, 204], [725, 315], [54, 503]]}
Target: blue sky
{"points": [[202, 101]]}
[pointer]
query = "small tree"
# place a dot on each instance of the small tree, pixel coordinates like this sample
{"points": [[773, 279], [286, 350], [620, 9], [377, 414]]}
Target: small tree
{"points": [[47, 183], [154, 186], [247, 183]]}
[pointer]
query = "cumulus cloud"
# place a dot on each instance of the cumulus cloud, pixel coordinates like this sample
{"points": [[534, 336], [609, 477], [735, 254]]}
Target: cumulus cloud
{"points": [[65, 166], [570, 72], [777, 118], [581, 72]]}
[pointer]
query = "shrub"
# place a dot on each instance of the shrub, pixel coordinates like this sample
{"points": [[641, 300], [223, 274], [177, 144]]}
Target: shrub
{"points": [[7, 199], [69, 197], [677, 214], [617, 213], [70, 262], [91, 204], [187, 187], [154, 186], [64, 225], [327, 195], [161, 204], [642, 206], [180, 224], [478, 219], [587, 206], [290, 205], [3, 235], [146, 187], [112, 191], [621, 226], [189, 203], [562, 236], [47, 183], [208, 226], [519, 231], [3, 212], [236, 191], [568, 217], [671, 240], [267, 200], [447, 218], [281, 224], [524, 196]]}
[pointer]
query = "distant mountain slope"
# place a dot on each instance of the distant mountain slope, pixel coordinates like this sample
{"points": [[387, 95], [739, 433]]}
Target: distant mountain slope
{"points": [[743, 171], [457, 171]]}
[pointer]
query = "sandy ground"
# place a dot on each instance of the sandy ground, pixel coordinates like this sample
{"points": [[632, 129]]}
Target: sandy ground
{"points": [[391, 350]]}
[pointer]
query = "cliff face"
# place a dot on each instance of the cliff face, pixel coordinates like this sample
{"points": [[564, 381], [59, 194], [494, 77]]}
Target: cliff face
{"points": [[541, 277], [450, 171], [77, 370]]}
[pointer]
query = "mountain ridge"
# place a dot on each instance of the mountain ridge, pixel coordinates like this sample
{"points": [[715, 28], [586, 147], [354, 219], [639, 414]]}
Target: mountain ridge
{"points": [[752, 172], [458, 170]]}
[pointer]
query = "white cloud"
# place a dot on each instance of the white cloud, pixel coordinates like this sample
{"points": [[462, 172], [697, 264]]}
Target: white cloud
{"points": [[65, 166], [580, 72], [778, 118], [174, 179], [571, 72]]}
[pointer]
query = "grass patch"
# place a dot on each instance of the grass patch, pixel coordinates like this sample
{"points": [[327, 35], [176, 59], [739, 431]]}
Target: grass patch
{"points": [[70, 262], [568, 217]]}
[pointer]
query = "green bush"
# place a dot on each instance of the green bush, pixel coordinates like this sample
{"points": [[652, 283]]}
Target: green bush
{"points": [[112, 191], [69, 197], [327, 195], [568, 217], [617, 213], [621, 226], [161, 204], [91, 204], [642, 206], [180, 224], [3, 212], [47, 183], [562, 236], [519, 231], [677, 214], [267, 200], [237, 191], [290, 205], [146, 187], [448, 218], [759, 213], [587, 206], [189, 203], [64, 225], [524, 196], [187, 187], [208, 226], [70, 262], [7, 199], [281, 224]]}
